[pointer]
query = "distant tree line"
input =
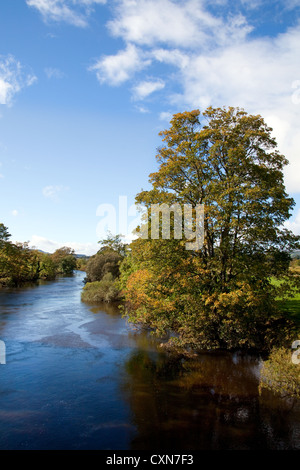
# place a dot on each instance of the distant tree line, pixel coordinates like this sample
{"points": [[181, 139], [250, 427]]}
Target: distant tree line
{"points": [[20, 264]]}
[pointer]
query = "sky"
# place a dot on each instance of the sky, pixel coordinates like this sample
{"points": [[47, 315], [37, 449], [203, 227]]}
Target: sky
{"points": [[87, 85]]}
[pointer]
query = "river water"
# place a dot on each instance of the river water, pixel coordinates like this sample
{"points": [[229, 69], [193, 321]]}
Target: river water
{"points": [[77, 376]]}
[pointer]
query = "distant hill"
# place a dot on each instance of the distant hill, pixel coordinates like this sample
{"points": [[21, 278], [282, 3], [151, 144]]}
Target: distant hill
{"points": [[47, 253], [296, 254]]}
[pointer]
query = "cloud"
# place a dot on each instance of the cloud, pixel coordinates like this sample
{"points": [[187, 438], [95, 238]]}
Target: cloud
{"points": [[75, 12], [294, 224], [252, 73], [289, 4], [42, 243], [142, 109], [52, 192], [171, 56], [13, 77], [211, 54], [54, 73], [5, 89], [145, 24], [261, 76], [116, 69], [184, 24], [146, 88], [15, 213], [165, 116]]}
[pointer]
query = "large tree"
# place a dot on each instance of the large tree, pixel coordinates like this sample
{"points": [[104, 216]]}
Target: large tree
{"points": [[221, 294]]}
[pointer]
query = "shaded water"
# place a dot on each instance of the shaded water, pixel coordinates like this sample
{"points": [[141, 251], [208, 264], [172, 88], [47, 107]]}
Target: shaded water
{"points": [[78, 377]]}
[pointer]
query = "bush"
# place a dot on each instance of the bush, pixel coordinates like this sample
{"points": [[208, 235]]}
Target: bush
{"points": [[105, 290], [280, 375], [64, 260], [102, 264]]}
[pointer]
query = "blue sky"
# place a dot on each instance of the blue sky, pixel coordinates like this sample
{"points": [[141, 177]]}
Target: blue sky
{"points": [[86, 85]]}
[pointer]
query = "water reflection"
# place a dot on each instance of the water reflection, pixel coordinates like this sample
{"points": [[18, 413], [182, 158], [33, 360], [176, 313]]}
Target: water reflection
{"points": [[211, 403], [79, 377]]}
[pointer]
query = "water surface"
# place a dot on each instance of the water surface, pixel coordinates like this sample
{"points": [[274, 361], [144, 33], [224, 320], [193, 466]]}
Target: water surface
{"points": [[77, 376]]}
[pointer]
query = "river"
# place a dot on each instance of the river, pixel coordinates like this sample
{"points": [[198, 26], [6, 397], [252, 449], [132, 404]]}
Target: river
{"points": [[77, 376]]}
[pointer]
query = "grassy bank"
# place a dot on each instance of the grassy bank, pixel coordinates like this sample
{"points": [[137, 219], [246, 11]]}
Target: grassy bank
{"points": [[291, 305]]}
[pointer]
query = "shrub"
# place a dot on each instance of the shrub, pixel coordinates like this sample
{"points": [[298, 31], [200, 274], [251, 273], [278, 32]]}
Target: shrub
{"points": [[102, 264], [105, 290], [280, 375], [64, 260]]}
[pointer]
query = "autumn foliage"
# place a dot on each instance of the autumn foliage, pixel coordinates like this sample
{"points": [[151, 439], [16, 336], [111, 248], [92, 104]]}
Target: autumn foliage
{"points": [[220, 296], [20, 264]]}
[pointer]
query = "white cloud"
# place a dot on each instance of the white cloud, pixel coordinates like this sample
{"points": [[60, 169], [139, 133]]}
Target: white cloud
{"points": [[75, 12], [261, 76], [294, 224], [171, 56], [142, 109], [165, 116], [146, 23], [184, 24], [251, 4], [15, 213], [50, 246], [291, 4], [13, 77], [216, 64], [116, 69], [146, 88], [52, 72], [215, 61], [5, 89], [52, 192]]}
